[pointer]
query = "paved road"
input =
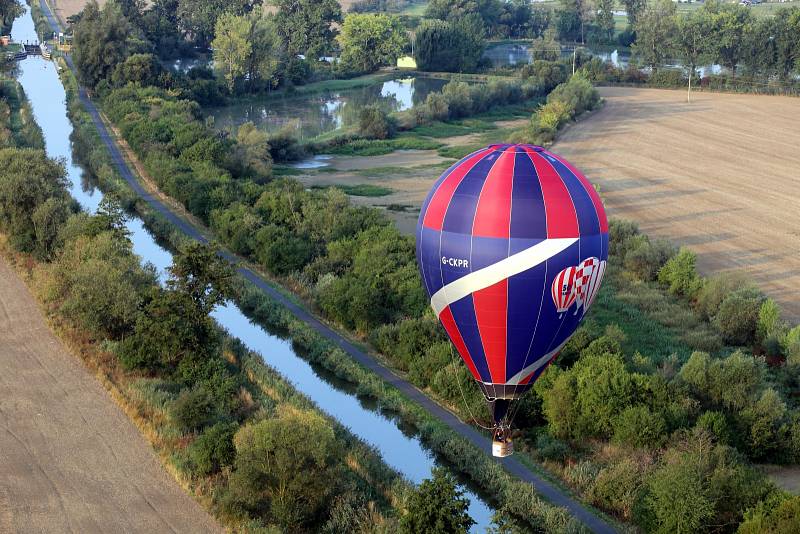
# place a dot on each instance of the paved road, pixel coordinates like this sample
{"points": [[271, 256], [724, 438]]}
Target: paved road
{"points": [[549, 491], [70, 459]]}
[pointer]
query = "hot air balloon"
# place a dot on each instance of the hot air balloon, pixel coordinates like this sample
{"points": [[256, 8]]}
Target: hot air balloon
{"points": [[508, 240]]}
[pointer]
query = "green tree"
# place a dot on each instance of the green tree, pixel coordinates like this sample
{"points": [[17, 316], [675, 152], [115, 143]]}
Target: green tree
{"points": [[450, 46], [9, 10], [142, 69], [29, 179], [605, 19], [213, 449], [200, 273], [692, 42], [232, 47], [307, 26], [369, 41], [198, 18], [678, 495], [286, 465], [267, 51], [489, 11], [780, 515], [737, 318], [679, 274], [730, 24], [633, 8], [103, 39], [98, 283], [655, 32], [437, 507]]}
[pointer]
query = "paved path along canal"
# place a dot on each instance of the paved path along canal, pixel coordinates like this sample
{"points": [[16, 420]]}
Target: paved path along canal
{"points": [[548, 490]]}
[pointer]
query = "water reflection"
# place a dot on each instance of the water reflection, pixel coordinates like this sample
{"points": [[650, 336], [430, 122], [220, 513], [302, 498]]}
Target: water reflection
{"points": [[397, 446], [311, 115]]}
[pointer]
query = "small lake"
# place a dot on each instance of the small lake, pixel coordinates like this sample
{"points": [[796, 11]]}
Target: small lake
{"points": [[314, 114], [399, 446]]}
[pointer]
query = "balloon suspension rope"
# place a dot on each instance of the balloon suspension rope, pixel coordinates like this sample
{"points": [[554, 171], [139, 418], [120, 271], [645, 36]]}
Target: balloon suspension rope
{"points": [[464, 398]]}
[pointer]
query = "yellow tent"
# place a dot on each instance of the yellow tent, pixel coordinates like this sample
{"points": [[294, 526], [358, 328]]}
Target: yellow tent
{"points": [[406, 62]]}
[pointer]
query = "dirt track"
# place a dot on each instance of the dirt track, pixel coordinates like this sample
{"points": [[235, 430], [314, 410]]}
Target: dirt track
{"points": [[721, 175], [70, 460]]}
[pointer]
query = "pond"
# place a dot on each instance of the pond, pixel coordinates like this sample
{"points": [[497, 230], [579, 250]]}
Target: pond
{"points": [[314, 114], [399, 446]]}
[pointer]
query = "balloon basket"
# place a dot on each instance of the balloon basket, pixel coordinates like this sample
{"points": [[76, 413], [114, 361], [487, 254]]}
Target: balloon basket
{"points": [[501, 449]]}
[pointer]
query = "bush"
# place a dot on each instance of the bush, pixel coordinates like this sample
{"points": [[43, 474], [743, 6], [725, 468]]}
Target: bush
{"points": [[193, 410], [769, 321], [667, 78], [550, 448], [679, 274], [374, 123], [618, 486], [577, 93], [284, 146], [737, 318], [644, 258], [639, 427], [715, 424], [715, 289], [213, 449]]}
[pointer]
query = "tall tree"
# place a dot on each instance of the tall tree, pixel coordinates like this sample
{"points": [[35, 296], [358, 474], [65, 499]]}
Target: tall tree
{"points": [[307, 26], [437, 507], [9, 10], [103, 39], [574, 16], [691, 43], [731, 22], [197, 18], [633, 8], [232, 47], [369, 41], [655, 30], [605, 19]]}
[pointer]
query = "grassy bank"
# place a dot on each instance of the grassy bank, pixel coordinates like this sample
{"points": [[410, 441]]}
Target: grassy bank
{"points": [[17, 124]]}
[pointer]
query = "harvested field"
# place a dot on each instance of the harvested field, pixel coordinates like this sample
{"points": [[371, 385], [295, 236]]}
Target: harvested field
{"points": [[70, 459], [720, 175]]}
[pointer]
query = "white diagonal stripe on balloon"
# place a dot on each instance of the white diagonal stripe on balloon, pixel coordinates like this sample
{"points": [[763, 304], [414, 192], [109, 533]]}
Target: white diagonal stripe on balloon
{"points": [[490, 275]]}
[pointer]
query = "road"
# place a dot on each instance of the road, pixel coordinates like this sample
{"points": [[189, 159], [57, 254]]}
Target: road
{"points": [[70, 459], [547, 490]]}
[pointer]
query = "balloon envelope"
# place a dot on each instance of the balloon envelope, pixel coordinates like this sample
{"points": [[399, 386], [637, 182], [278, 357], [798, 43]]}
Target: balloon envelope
{"points": [[495, 231]]}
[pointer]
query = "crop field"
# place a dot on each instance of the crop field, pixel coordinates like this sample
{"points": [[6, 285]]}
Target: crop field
{"points": [[719, 175], [70, 459]]}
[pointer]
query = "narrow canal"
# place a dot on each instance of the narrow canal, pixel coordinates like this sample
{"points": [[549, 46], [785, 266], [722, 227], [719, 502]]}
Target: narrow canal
{"points": [[398, 446]]}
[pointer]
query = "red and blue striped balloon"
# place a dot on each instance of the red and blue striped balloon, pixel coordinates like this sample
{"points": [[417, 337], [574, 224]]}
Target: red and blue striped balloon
{"points": [[499, 234]]}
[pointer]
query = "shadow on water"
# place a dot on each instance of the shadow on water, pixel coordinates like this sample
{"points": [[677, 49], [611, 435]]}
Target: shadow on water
{"points": [[397, 444]]}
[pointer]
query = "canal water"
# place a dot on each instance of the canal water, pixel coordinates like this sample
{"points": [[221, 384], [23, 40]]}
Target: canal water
{"points": [[398, 446], [310, 115]]}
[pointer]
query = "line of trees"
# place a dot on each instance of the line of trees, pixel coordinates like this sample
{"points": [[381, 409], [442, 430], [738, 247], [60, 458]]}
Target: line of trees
{"points": [[724, 33]]}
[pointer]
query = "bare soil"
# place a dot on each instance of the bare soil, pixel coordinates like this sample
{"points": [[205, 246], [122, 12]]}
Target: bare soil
{"points": [[720, 175], [70, 459]]}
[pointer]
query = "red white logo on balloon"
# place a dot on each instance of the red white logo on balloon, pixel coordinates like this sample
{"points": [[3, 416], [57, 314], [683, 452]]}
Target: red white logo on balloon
{"points": [[578, 285]]}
